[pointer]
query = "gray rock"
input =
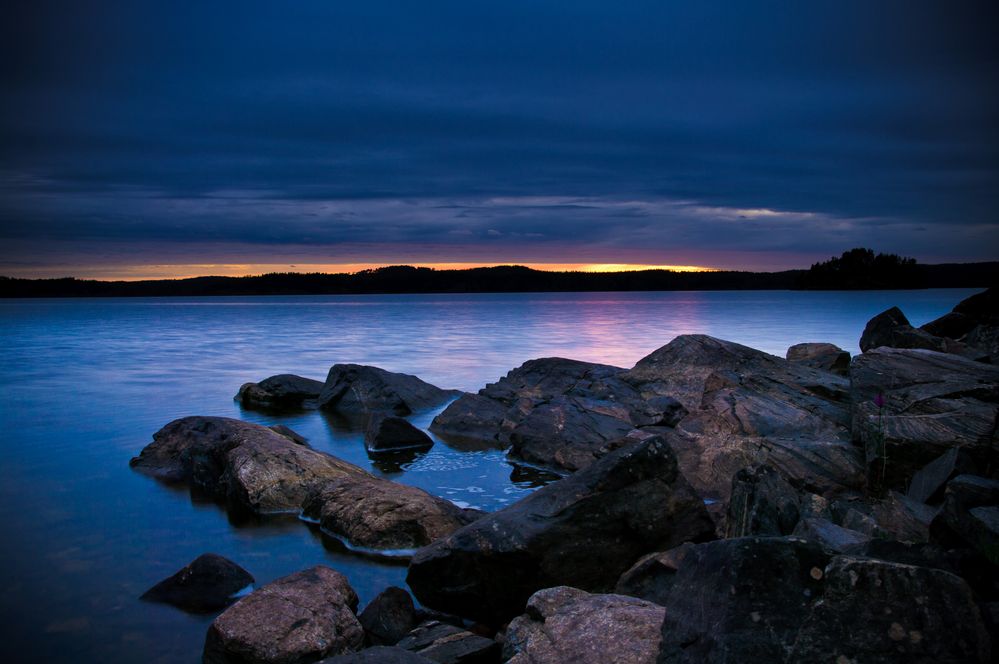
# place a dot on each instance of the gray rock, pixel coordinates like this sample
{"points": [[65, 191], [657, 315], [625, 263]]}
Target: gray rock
{"points": [[927, 481], [762, 503], [473, 417], [568, 625], [448, 644], [259, 471], [651, 578], [878, 611], [741, 600], [750, 408], [356, 390], [210, 582], [394, 434], [281, 392], [583, 531], [975, 323], [379, 655], [824, 356], [933, 402], [297, 619], [831, 537], [388, 617]]}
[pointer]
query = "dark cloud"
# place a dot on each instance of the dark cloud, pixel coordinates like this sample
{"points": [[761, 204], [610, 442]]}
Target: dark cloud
{"points": [[520, 126]]}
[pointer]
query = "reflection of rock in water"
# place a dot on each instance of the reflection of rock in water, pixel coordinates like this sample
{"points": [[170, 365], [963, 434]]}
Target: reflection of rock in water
{"points": [[531, 477], [395, 461]]}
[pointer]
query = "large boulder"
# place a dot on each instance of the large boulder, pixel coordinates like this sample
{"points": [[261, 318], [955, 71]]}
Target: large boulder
{"points": [[824, 356], [788, 600], [967, 516], [879, 611], [281, 392], [930, 402], [259, 471], [891, 329], [762, 503], [555, 411], [209, 583], [582, 531], [568, 625], [357, 390], [386, 434], [974, 322], [297, 619], [749, 408]]}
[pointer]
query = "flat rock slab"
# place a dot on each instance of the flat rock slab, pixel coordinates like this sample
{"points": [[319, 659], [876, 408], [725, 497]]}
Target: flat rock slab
{"points": [[297, 619], [933, 402], [448, 644], [583, 531], [256, 470], [358, 390], [210, 582], [568, 625]]}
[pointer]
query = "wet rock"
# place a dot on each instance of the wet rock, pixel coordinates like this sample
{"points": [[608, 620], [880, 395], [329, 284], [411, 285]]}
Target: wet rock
{"points": [[762, 503], [281, 392], [210, 582], [379, 655], [299, 618], [388, 617], [258, 471], [583, 531], [556, 412], [741, 600], [651, 578], [568, 432], [568, 625], [448, 644], [393, 434], [933, 402], [878, 611], [830, 537], [374, 513], [358, 390], [750, 408], [824, 356]]}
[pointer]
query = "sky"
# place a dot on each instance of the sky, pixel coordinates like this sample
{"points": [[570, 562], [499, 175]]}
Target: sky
{"points": [[175, 138]]}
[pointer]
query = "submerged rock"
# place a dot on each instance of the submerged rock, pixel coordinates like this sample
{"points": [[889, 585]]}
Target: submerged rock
{"points": [[394, 434], [210, 582], [281, 392], [360, 390], [824, 356], [568, 625], [583, 531], [259, 471], [297, 619]]}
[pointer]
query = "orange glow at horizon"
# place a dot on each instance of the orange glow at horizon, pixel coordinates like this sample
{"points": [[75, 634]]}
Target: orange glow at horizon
{"points": [[186, 271]]}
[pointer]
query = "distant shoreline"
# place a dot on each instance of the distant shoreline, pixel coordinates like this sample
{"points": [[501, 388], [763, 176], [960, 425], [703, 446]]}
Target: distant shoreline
{"points": [[502, 279]]}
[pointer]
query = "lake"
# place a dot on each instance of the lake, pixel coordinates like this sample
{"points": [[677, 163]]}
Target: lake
{"points": [[86, 382]]}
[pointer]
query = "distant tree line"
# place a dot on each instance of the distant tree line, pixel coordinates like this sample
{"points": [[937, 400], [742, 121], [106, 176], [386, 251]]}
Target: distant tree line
{"points": [[855, 269]]}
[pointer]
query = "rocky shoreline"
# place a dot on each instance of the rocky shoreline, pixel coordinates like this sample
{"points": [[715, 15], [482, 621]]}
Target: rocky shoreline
{"points": [[719, 504]]}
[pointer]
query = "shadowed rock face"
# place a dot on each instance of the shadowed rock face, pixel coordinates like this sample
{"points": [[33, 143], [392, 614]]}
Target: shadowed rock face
{"points": [[358, 390], [582, 531], [449, 644], [207, 584], [568, 625], [297, 619], [379, 655], [388, 617], [259, 471], [393, 434], [974, 322], [933, 402], [748, 408], [786, 600], [281, 392]]}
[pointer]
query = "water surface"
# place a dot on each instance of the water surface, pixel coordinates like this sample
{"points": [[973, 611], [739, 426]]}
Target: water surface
{"points": [[86, 382]]}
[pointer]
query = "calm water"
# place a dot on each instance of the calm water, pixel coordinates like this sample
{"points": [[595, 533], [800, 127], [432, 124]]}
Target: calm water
{"points": [[85, 383]]}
